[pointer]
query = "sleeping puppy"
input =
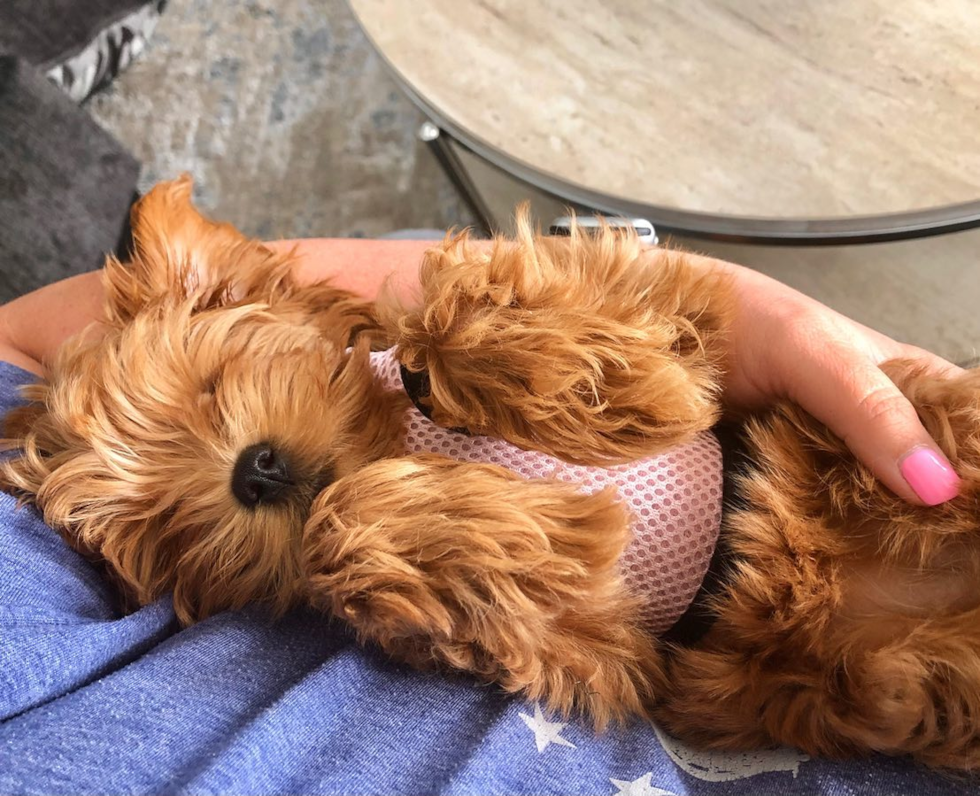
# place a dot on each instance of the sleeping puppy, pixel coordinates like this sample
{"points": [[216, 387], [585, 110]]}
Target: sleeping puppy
{"points": [[525, 486]]}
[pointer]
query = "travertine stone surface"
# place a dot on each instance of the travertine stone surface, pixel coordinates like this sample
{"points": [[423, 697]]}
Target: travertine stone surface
{"points": [[740, 107]]}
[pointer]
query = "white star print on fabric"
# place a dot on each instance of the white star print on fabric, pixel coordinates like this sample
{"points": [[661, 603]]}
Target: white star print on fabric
{"points": [[639, 787], [545, 732]]}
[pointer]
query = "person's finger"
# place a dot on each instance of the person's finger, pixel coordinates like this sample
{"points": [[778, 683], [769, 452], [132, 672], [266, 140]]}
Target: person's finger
{"points": [[886, 348], [863, 407], [931, 363]]}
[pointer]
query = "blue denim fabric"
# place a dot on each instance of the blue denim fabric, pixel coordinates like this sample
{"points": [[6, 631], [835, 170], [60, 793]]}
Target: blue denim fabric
{"points": [[92, 701]]}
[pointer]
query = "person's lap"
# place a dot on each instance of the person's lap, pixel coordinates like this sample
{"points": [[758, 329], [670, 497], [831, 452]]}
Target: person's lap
{"points": [[93, 700]]}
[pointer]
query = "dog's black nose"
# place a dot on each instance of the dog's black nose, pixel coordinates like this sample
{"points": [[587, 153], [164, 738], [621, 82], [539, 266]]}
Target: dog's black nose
{"points": [[260, 475]]}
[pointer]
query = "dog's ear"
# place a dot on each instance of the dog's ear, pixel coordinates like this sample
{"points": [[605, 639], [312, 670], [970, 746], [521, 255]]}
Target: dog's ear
{"points": [[179, 255]]}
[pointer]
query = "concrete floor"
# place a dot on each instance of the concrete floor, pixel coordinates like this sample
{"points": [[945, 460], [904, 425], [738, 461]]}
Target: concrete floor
{"points": [[292, 127]]}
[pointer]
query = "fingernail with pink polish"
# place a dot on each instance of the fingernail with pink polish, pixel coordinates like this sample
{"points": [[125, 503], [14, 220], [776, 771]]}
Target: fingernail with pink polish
{"points": [[930, 476]]}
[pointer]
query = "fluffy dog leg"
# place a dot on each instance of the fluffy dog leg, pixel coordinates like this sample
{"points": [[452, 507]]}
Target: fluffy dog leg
{"points": [[589, 348], [852, 621], [442, 563], [915, 693]]}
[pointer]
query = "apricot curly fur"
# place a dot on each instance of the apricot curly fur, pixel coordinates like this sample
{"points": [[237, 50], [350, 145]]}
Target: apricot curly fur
{"points": [[514, 581], [586, 347], [850, 623]]}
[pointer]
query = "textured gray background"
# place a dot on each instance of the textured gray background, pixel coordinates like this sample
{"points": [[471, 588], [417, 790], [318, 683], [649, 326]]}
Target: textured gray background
{"points": [[285, 117], [292, 127]]}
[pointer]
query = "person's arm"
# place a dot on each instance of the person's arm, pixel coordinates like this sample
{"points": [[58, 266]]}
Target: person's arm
{"points": [[783, 346], [359, 265], [34, 326]]}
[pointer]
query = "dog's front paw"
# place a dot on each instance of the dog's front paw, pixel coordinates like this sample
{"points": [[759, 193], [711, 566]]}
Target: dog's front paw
{"points": [[592, 349], [471, 567]]}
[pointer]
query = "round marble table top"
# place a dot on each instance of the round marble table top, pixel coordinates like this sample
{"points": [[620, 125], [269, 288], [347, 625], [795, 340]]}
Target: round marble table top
{"points": [[721, 115]]}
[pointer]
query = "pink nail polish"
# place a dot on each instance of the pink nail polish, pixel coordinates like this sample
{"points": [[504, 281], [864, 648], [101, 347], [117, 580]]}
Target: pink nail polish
{"points": [[930, 476]]}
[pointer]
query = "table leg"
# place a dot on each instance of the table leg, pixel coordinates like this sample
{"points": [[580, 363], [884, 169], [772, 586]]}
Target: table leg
{"points": [[440, 143]]}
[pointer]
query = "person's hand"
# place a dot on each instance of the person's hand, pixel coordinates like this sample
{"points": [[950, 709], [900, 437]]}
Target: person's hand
{"points": [[786, 345]]}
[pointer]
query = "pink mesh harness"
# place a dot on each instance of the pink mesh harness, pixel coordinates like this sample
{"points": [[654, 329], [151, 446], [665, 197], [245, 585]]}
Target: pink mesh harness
{"points": [[675, 499]]}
